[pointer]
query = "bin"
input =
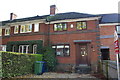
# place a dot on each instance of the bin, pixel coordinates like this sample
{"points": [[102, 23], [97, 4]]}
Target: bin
{"points": [[39, 67]]}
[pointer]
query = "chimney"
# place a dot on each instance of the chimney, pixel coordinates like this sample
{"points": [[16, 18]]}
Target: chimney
{"points": [[52, 9], [13, 16]]}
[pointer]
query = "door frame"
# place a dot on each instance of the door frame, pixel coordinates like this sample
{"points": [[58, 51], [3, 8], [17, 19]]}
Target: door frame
{"points": [[78, 52]]}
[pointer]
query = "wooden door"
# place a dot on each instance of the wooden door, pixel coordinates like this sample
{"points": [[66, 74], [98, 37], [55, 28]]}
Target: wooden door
{"points": [[83, 54]]}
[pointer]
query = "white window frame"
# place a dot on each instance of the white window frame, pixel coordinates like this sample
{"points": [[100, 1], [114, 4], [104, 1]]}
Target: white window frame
{"points": [[23, 48], [7, 33], [13, 48], [34, 48], [36, 27], [15, 29], [3, 47], [1, 32], [118, 29], [24, 28]]}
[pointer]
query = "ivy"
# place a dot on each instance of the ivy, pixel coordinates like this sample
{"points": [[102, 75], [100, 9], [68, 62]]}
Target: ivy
{"points": [[30, 43]]}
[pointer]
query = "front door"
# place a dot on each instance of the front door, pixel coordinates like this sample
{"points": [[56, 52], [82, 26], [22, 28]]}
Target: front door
{"points": [[83, 54]]}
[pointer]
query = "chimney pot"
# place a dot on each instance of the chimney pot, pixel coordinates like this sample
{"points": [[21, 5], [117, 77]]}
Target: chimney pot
{"points": [[13, 16]]}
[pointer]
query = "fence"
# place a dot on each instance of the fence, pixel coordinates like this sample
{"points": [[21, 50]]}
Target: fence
{"points": [[109, 69]]}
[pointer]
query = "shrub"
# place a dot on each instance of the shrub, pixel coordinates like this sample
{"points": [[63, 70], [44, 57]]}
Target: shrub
{"points": [[15, 64], [49, 58]]}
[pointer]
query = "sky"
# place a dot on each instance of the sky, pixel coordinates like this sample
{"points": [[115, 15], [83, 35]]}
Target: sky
{"points": [[29, 8]]}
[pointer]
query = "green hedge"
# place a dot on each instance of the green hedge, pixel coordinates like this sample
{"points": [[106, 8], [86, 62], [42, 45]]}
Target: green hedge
{"points": [[15, 64]]}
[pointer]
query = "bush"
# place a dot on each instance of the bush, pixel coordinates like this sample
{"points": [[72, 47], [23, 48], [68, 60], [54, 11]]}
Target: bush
{"points": [[15, 64], [49, 58]]}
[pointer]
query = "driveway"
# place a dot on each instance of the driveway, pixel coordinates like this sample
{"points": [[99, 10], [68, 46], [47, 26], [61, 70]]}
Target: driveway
{"points": [[49, 75]]}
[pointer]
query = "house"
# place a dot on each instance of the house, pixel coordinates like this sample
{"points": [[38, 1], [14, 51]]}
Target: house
{"points": [[77, 38], [108, 23]]}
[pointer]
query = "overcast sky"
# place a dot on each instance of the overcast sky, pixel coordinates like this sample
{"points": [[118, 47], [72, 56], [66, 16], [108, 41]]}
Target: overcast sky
{"points": [[29, 8]]}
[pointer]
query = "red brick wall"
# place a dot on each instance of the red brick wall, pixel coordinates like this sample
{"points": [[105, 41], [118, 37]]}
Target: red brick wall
{"points": [[62, 38], [69, 38], [108, 30]]}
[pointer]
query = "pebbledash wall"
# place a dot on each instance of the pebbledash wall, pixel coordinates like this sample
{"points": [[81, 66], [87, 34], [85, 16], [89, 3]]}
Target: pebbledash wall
{"points": [[94, 36]]}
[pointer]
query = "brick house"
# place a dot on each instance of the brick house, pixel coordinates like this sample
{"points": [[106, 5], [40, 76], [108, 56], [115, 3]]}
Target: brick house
{"points": [[77, 38]]}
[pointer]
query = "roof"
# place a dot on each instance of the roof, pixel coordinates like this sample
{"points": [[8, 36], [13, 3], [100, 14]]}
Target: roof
{"points": [[110, 18], [106, 18], [69, 15], [60, 16], [25, 19]]}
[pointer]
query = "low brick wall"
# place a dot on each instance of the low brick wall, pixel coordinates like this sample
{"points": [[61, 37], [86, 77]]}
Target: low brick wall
{"points": [[109, 69]]}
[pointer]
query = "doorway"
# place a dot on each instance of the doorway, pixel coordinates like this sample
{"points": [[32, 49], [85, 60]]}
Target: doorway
{"points": [[105, 54]]}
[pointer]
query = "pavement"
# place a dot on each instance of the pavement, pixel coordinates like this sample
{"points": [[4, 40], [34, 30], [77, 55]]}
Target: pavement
{"points": [[49, 75]]}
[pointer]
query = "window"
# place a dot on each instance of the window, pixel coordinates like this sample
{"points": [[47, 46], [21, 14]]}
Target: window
{"points": [[0, 31], [7, 31], [60, 27], [2, 47], [118, 29], [61, 50], [16, 28], [26, 28], [36, 27], [23, 48], [81, 25], [13, 48], [34, 49]]}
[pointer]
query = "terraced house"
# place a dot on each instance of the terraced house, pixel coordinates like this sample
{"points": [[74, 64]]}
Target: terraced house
{"points": [[77, 38]]}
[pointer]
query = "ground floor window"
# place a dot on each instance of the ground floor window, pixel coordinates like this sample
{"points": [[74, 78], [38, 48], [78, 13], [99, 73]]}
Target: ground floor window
{"points": [[2, 47], [62, 50], [23, 48], [34, 49], [105, 54], [13, 48]]}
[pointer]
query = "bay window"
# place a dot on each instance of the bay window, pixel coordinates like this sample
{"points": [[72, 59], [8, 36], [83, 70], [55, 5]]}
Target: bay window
{"points": [[62, 50]]}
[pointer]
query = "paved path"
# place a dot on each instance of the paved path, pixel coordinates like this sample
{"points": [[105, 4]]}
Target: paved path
{"points": [[60, 75]]}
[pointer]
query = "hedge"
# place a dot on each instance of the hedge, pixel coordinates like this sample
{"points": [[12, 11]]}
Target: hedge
{"points": [[16, 64]]}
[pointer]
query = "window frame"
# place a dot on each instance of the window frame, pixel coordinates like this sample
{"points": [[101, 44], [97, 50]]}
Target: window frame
{"points": [[0, 31], [81, 24], [38, 27], [6, 34], [118, 32], [63, 50], [27, 48], [61, 28], [25, 31], [15, 29], [35, 45]]}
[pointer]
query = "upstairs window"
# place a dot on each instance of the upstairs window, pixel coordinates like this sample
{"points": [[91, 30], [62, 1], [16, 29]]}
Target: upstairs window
{"points": [[36, 27], [26, 28], [81, 25], [118, 29], [0, 31], [62, 50], [16, 28], [7, 31], [60, 27]]}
